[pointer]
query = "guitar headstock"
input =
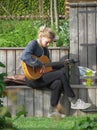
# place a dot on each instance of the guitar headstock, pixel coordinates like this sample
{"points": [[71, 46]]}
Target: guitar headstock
{"points": [[71, 61]]}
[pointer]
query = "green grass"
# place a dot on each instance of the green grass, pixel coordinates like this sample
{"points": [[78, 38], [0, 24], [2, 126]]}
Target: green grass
{"points": [[67, 123], [42, 123]]}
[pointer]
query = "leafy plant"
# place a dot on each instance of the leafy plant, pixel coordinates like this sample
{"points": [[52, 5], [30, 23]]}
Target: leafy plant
{"points": [[3, 110], [5, 116], [17, 33], [2, 94], [64, 33], [2, 84], [85, 124]]}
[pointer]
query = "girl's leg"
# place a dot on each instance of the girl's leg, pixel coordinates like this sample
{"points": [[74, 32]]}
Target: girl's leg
{"points": [[48, 79], [56, 87], [59, 75]]}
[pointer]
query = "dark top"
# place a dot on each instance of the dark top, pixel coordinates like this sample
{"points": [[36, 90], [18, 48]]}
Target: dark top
{"points": [[33, 48]]}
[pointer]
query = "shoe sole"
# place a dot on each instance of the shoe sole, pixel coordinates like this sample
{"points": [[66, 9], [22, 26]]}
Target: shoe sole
{"points": [[80, 108]]}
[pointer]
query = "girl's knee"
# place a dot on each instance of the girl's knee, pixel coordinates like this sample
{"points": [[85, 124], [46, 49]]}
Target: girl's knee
{"points": [[56, 84]]}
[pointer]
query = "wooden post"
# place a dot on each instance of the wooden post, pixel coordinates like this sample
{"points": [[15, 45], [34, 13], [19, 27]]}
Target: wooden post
{"points": [[52, 13], [56, 14]]}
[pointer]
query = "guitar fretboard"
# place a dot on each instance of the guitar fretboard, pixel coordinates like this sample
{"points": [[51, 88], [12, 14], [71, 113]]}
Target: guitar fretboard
{"points": [[58, 63]]}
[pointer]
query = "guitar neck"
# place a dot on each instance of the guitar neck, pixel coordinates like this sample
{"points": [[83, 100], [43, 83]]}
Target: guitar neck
{"points": [[68, 62], [54, 64]]}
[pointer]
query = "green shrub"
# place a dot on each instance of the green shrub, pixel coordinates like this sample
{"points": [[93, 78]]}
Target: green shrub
{"points": [[5, 115], [2, 88], [86, 123], [64, 34], [2, 84], [17, 33]]}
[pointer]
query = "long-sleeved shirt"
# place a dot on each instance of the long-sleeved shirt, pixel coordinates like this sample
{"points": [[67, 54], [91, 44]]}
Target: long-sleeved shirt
{"points": [[33, 48]]}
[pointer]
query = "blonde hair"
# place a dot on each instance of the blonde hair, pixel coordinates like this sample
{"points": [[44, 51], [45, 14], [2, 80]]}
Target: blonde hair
{"points": [[46, 32]]}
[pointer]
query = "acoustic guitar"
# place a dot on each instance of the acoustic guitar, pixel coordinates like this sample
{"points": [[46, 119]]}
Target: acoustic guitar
{"points": [[32, 74]]}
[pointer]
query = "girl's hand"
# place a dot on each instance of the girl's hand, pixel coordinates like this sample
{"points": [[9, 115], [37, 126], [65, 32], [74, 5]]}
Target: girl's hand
{"points": [[43, 70]]}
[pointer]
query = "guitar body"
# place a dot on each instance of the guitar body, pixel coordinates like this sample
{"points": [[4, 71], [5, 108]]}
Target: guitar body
{"points": [[35, 74]]}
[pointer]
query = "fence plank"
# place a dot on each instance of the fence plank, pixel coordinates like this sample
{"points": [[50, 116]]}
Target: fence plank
{"points": [[92, 38], [74, 43], [29, 102], [18, 62], [92, 98], [12, 101], [46, 102], [83, 37], [38, 103], [11, 62], [3, 60]]}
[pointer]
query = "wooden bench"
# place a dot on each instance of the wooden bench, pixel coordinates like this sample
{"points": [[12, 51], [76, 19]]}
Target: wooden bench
{"points": [[37, 102]]}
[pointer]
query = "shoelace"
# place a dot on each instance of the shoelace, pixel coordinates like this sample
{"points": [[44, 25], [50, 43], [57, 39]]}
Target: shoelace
{"points": [[80, 101]]}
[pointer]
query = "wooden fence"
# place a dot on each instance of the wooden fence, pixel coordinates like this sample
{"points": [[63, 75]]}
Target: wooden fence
{"points": [[37, 102], [83, 34], [11, 58]]}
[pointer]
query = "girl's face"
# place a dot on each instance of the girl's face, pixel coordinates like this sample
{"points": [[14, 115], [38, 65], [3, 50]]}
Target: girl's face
{"points": [[45, 42]]}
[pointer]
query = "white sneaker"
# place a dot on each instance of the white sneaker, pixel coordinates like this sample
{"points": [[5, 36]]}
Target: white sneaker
{"points": [[56, 114], [80, 105]]}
